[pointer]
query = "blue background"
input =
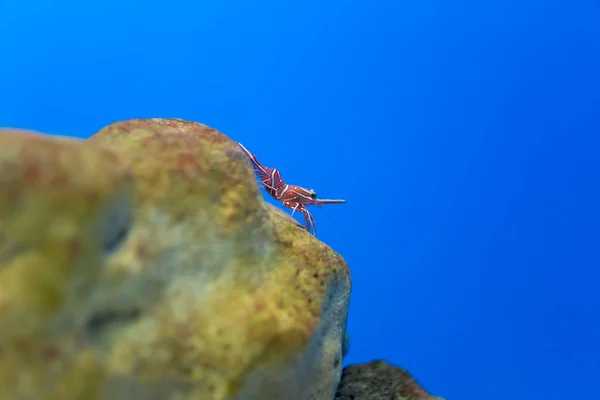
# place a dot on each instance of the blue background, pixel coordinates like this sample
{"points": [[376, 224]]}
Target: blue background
{"points": [[463, 134]]}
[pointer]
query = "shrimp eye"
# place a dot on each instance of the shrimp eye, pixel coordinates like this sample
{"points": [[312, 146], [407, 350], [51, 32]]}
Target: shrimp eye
{"points": [[313, 194]]}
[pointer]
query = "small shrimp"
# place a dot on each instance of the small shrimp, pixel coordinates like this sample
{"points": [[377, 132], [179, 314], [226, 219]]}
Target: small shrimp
{"points": [[294, 197]]}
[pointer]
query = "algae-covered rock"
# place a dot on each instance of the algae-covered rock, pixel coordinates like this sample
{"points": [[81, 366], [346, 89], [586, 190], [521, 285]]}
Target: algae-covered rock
{"points": [[143, 263], [378, 380]]}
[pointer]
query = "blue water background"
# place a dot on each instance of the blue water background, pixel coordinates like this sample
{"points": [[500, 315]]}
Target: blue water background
{"points": [[463, 134]]}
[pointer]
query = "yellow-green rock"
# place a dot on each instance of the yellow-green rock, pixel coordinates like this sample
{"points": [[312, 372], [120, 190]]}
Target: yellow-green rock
{"points": [[143, 263]]}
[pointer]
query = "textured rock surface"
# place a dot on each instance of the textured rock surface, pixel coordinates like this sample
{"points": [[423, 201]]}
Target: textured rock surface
{"points": [[143, 263], [379, 380]]}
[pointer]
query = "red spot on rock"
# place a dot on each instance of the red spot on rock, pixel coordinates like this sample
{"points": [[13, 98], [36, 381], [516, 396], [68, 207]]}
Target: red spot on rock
{"points": [[73, 249], [31, 172], [50, 353], [60, 180], [186, 159]]}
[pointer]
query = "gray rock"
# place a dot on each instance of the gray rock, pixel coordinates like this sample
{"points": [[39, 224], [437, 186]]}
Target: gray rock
{"points": [[378, 380]]}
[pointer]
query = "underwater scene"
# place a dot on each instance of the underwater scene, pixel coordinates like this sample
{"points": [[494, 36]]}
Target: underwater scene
{"points": [[317, 200]]}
